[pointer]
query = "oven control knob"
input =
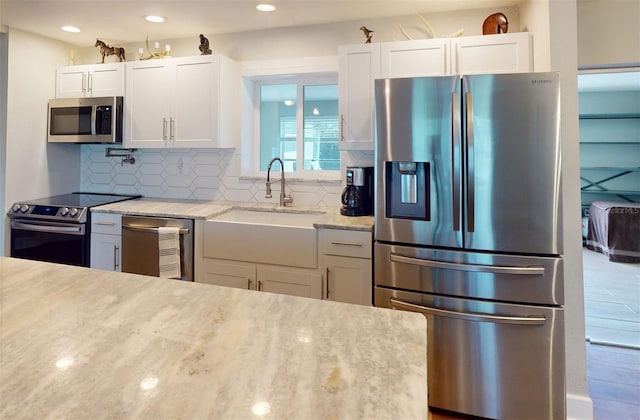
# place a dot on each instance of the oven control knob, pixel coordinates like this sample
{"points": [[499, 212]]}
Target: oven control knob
{"points": [[73, 212], [24, 208], [64, 211], [15, 208]]}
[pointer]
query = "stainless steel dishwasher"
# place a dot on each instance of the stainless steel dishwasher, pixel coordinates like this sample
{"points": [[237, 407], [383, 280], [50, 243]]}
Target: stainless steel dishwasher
{"points": [[140, 254]]}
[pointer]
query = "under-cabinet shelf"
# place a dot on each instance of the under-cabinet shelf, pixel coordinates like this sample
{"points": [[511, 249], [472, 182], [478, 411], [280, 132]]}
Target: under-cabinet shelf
{"points": [[610, 168], [610, 142], [620, 116]]}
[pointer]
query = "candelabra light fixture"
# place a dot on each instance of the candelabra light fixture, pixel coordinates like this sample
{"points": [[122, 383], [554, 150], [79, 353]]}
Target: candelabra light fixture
{"points": [[156, 53]]}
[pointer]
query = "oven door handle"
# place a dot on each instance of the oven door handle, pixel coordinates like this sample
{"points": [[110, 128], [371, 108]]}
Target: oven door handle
{"points": [[73, 230], [148, 229], [467, 316], [480, 268]]}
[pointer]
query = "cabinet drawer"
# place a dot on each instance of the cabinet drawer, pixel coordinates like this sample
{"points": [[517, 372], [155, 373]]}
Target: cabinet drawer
{"points": [[110, 223], [348, 243]]}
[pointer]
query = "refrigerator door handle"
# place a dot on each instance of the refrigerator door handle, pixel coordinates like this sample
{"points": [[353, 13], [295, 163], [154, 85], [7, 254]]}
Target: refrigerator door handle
{"points": [[455, 158], [470, 165], [467, 316], [480, 268]]}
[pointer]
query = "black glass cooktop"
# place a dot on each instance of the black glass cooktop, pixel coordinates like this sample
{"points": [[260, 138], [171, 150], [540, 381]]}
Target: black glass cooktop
{"points": [[80, 199]]}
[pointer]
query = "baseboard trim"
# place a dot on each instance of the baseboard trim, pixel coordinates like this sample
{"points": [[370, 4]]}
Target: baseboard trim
{"points": [[613, 343], [579, 407]]}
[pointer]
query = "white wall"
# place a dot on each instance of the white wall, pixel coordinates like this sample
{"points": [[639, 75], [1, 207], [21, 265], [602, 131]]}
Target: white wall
{"points": [[534, 18], [316, 40], [608, 32], [564, 58], [3, 124], [33, 168]]}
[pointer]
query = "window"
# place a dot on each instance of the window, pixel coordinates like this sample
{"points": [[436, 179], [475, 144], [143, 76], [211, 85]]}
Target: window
{"points": [[299, 123]]}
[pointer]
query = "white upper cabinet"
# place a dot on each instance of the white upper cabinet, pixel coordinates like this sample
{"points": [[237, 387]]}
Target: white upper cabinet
{"points": [[500, 53], [359, 66], [424, 57], [191, 102], [90, 80]]}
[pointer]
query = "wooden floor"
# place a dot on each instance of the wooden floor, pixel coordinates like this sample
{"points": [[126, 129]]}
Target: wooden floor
{"points": [[612, 321], [614, 382]]}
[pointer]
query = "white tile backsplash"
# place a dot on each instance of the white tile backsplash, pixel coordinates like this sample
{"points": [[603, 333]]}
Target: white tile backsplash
{"points": [[199, 174]]}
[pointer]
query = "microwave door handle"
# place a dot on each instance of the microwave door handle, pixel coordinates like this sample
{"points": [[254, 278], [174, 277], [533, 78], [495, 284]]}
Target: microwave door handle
{"points": [[94, 112], [479, 268], [467, 316]]}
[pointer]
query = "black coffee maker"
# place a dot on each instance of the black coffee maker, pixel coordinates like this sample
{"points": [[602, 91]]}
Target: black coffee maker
{"points": [[357, 197]]}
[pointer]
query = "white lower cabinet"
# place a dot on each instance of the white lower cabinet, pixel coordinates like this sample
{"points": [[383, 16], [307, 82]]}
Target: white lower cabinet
{"points": [[343, 275], [106, 240], [348, 279], [347, 264], [223, 273], [290, 281], [266, 278]]}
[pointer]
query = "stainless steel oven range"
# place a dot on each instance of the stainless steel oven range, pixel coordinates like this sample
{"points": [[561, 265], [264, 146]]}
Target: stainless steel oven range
{"points": [[56, 229]]}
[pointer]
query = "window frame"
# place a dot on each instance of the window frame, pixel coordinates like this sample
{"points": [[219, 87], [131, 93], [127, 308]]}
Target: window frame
{"points": [[300, 80]]}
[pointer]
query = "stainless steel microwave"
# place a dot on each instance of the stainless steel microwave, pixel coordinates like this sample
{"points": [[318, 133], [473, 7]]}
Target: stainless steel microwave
{"points": [[85, 120]]}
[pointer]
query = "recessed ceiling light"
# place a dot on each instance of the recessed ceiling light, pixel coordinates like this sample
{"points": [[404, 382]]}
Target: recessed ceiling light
{"points": [[69, 28], [154, 19], [266, 7]]}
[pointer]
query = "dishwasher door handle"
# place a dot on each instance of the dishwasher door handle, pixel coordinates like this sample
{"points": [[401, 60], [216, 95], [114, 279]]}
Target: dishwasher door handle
{"points": [[481, 268], [137, 228], [467, 316]]}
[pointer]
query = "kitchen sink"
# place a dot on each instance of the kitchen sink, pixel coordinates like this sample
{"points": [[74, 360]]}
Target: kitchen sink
{"points": [[270, 236], [271, 216]]}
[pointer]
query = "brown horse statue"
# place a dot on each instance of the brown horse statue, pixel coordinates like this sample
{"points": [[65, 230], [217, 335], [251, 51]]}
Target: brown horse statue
{"points": [[106, 50], [495, 24]]}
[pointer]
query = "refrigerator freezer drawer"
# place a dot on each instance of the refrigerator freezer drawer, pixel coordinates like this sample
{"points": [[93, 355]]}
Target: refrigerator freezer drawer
{"points": [[490, 359], [511, 278]]}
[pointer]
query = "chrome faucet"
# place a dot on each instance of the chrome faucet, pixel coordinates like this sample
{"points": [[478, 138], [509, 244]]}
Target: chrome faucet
{"points": [[284, 199]]}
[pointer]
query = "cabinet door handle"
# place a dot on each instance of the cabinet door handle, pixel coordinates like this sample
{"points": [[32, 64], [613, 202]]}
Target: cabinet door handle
{"points": [[84, 82], [341, 127], [327, 276], [116, 260], [345, 243], [172, 124], [105, 223], [90, 84], [259, 286], [164, 128], [248, 283]]}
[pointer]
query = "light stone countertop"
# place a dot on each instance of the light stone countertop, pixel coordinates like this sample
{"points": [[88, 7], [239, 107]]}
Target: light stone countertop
{"points": [[83, 343], [194, 209]]}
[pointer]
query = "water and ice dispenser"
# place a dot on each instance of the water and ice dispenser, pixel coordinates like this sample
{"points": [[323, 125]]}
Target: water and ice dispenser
{"points": [[407, 190]]}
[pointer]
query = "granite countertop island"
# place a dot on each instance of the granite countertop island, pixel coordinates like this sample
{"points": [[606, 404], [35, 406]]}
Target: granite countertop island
{"points": [[83, 343]]}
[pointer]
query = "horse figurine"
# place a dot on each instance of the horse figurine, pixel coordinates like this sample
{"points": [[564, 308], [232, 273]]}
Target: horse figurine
{"points": [[106, 50], [495, 24]]}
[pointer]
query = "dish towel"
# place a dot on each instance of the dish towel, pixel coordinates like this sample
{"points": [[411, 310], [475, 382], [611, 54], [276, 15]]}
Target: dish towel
{"points": [[169, 252]]}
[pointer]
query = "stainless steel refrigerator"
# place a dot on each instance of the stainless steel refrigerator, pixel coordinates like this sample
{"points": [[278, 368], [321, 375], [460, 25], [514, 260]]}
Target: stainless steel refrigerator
{"points": [[468, 231]]}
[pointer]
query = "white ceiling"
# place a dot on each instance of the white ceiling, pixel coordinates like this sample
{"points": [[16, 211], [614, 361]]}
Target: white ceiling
{"points": [[119, 22]]}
